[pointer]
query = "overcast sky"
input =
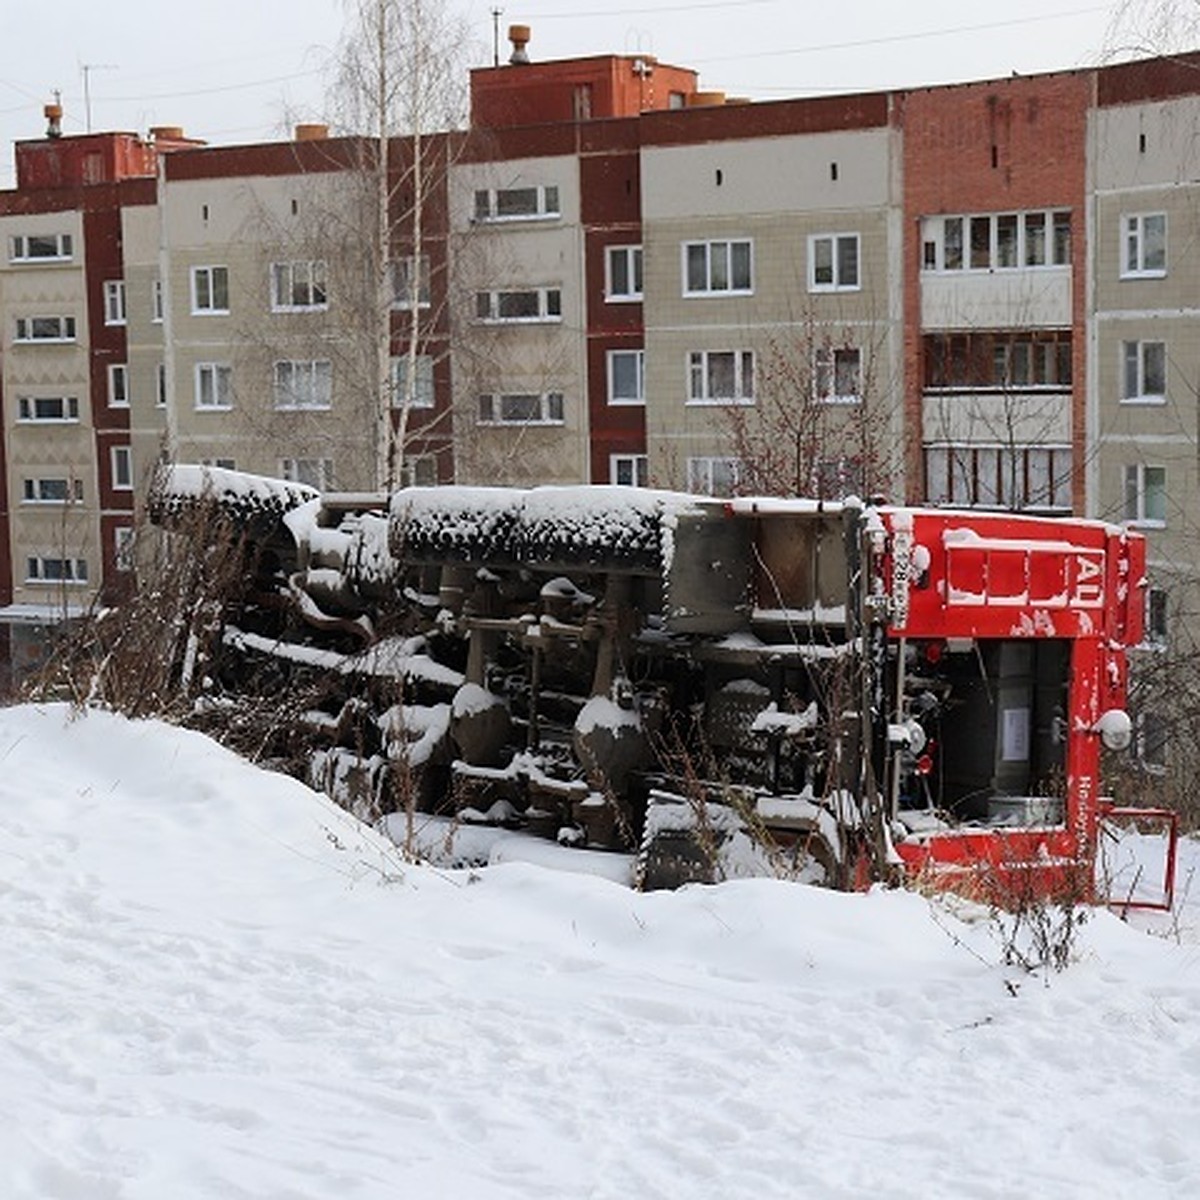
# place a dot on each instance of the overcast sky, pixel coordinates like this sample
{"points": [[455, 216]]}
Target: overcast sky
{"points": [[237, 71]]}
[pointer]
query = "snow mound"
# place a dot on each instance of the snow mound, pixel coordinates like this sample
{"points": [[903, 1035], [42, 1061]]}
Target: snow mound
{"points": [[218, 985]]}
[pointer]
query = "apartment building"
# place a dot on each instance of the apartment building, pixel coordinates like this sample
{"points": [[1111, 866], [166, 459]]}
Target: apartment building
{"points": [[972, 295]]}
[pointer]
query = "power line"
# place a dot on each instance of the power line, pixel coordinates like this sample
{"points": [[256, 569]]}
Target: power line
{"points": [[907, 37]]}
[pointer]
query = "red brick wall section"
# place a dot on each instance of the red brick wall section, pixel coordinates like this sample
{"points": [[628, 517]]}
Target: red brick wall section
{"points": [[1006, 145]]}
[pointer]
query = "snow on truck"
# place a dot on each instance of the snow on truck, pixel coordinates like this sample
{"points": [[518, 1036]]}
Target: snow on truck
{"points": [[852, 691]]}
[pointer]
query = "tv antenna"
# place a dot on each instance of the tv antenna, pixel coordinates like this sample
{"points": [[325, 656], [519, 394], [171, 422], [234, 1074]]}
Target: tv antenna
{"points": [[86, 70]]}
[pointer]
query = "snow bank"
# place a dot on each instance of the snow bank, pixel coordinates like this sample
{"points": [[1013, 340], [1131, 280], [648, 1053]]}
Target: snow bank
{"points": [[218, 985]]}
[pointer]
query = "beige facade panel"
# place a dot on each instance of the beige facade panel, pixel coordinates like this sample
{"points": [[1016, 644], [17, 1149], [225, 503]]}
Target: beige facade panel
{"points": [[784, 249], [1020, 299], [1024, 420], [831, 172], [1138, 144], [1127, 229]]}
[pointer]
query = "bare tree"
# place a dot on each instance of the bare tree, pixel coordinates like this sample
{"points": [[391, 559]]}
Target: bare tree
{"points": [[399, 84], [823, 418]]}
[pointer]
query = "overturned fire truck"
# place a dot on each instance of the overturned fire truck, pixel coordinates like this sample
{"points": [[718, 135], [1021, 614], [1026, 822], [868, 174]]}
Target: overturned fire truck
{"points": [[862, 691]]}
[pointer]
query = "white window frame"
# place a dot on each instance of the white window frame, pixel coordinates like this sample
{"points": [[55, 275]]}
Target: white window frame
{"points": [[213, 380], [705, 474], [1134, 239], [636, 466], [27, 330], [308, 470], [716, 258], [208, 282], [419, 470], [701, 365], [492, 406], [1138, 370], [69, 571], [303, 385], [1156, 622], [124, 547], [424, 386], [27, 410], [1141, 483], [1042, 239], [488, 203], [827, 371], [639, 367], [955, 476], [34, 490], [1147, 740], [834, 242], [633, 260], [401, 276], [58, 247], [114, 302], [488, 306], [118, 385], [299, 286], [121, 461]]}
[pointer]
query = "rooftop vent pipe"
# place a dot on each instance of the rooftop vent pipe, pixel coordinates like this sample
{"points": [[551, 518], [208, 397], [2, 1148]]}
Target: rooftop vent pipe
{"points": [[519, 36], [53, 115]]}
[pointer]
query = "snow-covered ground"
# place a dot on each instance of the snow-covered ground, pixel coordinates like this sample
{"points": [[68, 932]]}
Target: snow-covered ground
{"points": [[214, 984]]}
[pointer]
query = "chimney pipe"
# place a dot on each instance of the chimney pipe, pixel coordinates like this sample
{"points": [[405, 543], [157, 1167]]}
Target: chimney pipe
{"points": [[519, 36], [53, 114]]}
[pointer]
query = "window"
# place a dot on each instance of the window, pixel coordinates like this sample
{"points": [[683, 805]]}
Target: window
{"points": [[114, 302], [1144, 250], [627, 377], [721, 377], [210, 290], [422, 383], [1152, 739], [530, 304], [214, 385], [516, 204], [837, 478], [1145, 495], [996, 241], [410, 286], [303, 384], [296, 286], [45, 329], [997, 361], [1144, 372], [40, 569], [521, 408], [124, 538], [623, 273], [51, 409], [160, 385], [1156, 617], [1017, 477], [156, 301], [118, 385], [40, 247], [629, 470], [53, 491], [707, 476], [419, 470], [718, 267], [312, 472], [833, 262], [122, 468], [837, 374]]}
